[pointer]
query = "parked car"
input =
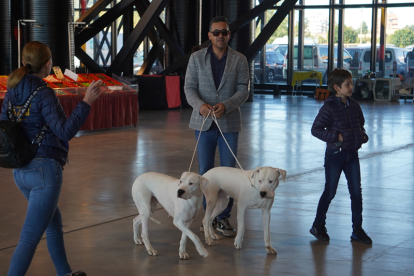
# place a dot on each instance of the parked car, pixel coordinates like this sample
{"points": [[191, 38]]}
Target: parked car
{"points": [[315, 57], [392, 54], [356, 54], [273, 67]]}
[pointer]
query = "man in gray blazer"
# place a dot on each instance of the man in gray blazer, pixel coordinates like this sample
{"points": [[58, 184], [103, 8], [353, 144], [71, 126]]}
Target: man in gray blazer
{"points": [[216, 81]]}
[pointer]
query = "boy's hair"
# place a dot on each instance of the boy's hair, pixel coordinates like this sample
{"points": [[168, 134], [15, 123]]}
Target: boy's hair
{"points": [[218, 19], [337, 76]]}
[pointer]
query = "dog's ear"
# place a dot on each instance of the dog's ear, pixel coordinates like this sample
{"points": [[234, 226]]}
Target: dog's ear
{"points": [[282, 173], [256, 171]]}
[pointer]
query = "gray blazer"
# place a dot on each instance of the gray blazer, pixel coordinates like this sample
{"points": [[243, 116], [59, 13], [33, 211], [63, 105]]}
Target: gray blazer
{"points": [[200, 89]]}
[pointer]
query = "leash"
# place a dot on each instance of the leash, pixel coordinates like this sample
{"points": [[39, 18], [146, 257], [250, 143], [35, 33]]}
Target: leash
{"points": [[198, 139], [213, 116]]}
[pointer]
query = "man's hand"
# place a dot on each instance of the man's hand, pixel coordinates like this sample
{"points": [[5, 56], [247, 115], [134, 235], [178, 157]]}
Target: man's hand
{"points": [[219, 110], [340, 138], [205, 109]]}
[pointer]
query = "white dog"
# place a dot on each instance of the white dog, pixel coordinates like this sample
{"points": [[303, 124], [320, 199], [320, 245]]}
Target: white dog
{"points": [[181, 198], [225, 181]]}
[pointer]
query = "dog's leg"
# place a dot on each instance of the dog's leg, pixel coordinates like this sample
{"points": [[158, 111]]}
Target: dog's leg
{"points": [[145, 237], [182, 252], [187, 232], [209, 233], [266, 229], [136, 222], [240, 226], [222, 202]]}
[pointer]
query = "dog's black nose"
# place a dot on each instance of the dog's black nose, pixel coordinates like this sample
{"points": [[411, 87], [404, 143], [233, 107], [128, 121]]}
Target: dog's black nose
{"points": [[263, 194], [180, 193]]}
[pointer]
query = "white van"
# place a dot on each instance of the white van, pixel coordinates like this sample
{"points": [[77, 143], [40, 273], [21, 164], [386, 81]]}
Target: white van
{"points": [[392, 54], [315, 57]]}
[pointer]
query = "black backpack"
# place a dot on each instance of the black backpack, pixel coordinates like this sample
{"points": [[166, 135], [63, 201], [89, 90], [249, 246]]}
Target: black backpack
{"points": [[15, 149]]}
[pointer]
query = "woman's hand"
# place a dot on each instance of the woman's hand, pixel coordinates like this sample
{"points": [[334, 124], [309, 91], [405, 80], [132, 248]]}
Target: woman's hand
{"points": [[93, 92]]}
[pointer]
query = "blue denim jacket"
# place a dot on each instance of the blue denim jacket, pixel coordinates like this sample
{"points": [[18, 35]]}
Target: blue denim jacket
{"points": [[45, 108]]}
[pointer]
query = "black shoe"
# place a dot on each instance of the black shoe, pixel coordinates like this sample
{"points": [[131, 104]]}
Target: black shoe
{"points": [[225, 227], [214, 225], [359, 235], [319, 232], [79, 273]]}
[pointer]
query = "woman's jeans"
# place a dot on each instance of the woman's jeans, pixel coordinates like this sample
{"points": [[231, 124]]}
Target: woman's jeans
{"points": [[337, 161], [40, 181], [209, 140]]}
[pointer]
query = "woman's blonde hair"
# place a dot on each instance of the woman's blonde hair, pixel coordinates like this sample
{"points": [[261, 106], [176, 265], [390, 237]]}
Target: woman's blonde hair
{"points": [[35, 55]]}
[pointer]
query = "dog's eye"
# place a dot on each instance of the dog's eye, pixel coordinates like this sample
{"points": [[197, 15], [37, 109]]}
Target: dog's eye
{"points": [[191, 183], [260, 181], [270, 181], [181, 182]]}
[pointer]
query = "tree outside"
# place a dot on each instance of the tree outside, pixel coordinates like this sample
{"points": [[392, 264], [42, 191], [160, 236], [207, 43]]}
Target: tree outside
{"points": [[402, 37]]}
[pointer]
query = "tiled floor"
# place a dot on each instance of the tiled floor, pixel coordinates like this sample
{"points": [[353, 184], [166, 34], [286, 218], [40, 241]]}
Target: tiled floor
{"points": [[98, 209]]}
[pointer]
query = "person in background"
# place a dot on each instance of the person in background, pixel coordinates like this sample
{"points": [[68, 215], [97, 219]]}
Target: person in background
{"points": [[40, 181], [216, 81], [340, 123]]}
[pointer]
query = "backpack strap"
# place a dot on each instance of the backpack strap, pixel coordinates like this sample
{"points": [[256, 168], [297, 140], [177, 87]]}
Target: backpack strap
{"points": [[27, 103], [12, 117]]}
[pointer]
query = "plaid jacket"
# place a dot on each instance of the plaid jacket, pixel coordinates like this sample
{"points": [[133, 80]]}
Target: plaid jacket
{"points": [[200, 89]]}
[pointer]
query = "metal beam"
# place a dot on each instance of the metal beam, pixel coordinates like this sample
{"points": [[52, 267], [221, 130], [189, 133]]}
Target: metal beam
{"points": [[135, 39], [331, 35], [374, 37], [87, 61], [269, 29], [341, 28], [252, 14], [149, 61], [93, 12], [102, 22], [162, 30], [239, 23]]}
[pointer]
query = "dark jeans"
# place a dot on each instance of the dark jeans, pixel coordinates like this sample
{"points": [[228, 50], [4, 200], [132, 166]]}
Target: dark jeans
{"points": [[209, 141], [335, 162]]}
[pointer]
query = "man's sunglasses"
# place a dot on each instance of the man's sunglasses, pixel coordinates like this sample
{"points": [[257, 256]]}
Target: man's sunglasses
{"points": [[224, 32]]}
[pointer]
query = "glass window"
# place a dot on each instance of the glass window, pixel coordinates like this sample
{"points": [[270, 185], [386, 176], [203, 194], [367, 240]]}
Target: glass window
{"points": [[316, 2], [307, 52], [358, 2], [399, 1]]}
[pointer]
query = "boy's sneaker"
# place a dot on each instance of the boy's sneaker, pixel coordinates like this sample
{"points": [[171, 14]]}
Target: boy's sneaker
{"points": [[79, 273], [359, 235], [214, 225], [319, 232], [225, 227]]}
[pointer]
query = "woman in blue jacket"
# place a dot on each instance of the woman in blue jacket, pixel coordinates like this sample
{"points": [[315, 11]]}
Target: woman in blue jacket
{"points": [[40, 181]]}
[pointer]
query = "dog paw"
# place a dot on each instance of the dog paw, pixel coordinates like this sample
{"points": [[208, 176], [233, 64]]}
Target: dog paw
{"points": [[270, 250], [216, 237], [202, 251], [184, 255], [209, 241], [152, 252], [238, 242], [138, 241]]}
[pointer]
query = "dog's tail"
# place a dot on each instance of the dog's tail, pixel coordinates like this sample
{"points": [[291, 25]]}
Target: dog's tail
{"points": [[154, 220]]}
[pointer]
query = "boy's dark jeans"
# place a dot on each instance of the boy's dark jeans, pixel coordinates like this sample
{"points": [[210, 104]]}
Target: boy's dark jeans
{"points": [[337, 161]]}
